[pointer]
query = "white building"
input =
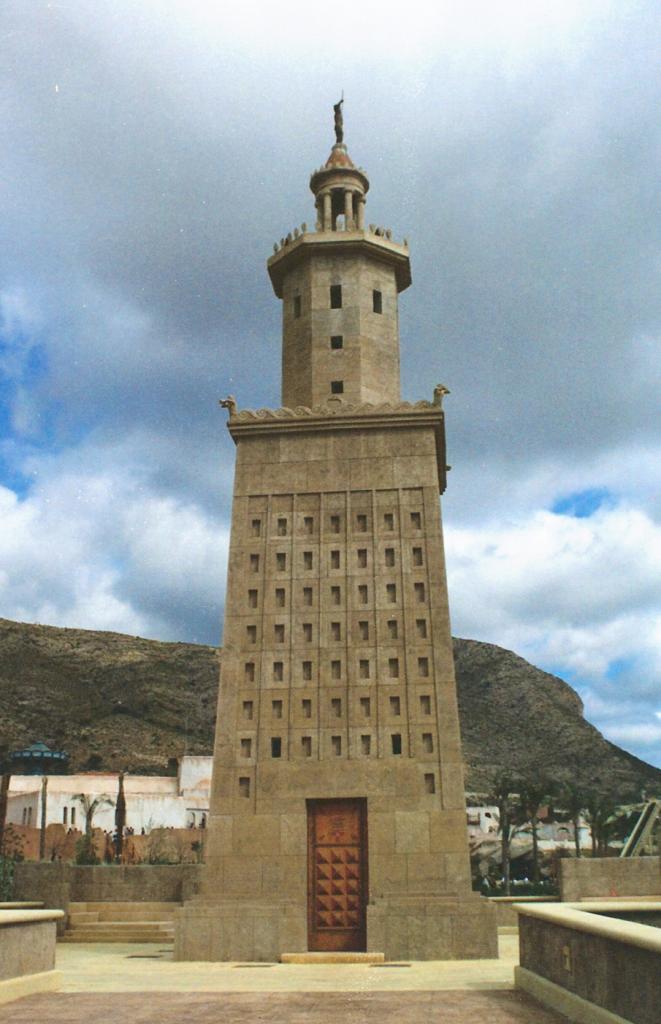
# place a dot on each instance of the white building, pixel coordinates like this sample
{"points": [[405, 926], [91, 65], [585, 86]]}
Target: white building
{"points": [[152, 801], [484, 823]]}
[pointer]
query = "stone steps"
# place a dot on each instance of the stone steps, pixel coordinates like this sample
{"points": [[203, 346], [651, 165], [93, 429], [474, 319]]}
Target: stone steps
{"points": [[123, 934], [82, 917], [136, 914], [331, 957], [120, 922], [124, 909]]}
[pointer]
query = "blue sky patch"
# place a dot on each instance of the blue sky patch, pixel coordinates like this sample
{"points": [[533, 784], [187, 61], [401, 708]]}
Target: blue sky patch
{"points": [[618, 666], [583, 504]]}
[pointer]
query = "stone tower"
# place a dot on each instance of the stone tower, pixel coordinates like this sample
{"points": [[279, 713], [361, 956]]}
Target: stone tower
{"points": [[337, 817]]}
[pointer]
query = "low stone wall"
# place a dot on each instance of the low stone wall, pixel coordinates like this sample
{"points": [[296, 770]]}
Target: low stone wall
{"points": [[590, 967], [22, 905], [27, 952], [599, 877], [58, 885], [506, 915], [43, 882]]}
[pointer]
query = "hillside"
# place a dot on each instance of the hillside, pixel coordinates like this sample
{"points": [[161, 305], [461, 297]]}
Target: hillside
{"points": [[115, 701]]}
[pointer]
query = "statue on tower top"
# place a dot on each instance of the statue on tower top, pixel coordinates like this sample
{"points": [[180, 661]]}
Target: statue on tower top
{"points": [[339, 121]]}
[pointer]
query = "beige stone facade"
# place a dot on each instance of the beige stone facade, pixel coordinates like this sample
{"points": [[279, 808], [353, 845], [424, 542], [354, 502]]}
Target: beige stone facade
{"points": [[337, 673]]}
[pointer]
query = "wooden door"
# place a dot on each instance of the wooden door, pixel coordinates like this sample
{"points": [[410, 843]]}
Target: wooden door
{"points": [[337, 874]]}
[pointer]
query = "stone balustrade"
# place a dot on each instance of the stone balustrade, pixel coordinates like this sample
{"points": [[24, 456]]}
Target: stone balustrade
{"points": [[27, 952], [594, 962]]}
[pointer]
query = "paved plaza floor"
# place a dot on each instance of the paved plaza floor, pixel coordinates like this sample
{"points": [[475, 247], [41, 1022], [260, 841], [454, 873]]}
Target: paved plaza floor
{"points": [[412, 1007], [107, 983]]}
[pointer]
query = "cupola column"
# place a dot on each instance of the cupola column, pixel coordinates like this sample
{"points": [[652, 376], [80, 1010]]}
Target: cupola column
{"points": [[327, 216], [361, 213], [348, 210]]}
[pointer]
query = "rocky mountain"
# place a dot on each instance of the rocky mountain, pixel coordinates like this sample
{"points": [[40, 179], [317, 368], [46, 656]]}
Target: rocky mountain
{"points": [[114, 701], [516, 718]]}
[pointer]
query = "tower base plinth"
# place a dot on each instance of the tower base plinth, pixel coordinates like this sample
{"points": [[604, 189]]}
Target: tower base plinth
{"points": [[433, 928], [238, 930], [404, 928]]}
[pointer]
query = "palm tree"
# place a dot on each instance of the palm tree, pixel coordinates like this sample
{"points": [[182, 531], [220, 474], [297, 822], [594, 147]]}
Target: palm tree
{"points": [[90, 806], [573, 800], [600, 813], [502, 795], [535, 795]]}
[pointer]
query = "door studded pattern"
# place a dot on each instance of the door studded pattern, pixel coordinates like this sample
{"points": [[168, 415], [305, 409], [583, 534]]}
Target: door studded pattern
{"points": [[337, 874], [337, 887]]}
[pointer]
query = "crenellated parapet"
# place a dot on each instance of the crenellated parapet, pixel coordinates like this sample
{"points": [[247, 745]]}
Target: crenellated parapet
{"points": [[375, 242], [298, 232]]}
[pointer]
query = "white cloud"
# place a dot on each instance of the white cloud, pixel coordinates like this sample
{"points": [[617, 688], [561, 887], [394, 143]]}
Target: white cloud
{"points": [[176, 560], [96, 549], [579, 597], [503, 487], [549, 572], [19, 317], [641, 734], [377, 27]]}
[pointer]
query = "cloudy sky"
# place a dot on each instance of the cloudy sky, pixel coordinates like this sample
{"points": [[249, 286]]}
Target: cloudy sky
{"points": [[151, 153]]}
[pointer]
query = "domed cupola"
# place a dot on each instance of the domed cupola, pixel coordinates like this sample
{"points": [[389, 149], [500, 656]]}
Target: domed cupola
{"points": [[339, 186]]}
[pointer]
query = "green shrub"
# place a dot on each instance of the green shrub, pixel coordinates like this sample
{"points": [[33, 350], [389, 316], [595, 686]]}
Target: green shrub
{"points": [[10, 853], [6, 877], [85, 851]]}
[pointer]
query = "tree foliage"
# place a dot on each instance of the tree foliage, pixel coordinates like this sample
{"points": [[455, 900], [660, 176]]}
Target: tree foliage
{"points": [[535, 795], [90, 806]]}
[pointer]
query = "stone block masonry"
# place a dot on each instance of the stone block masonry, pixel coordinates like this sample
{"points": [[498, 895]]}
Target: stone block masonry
{"points": [[337, 817]]}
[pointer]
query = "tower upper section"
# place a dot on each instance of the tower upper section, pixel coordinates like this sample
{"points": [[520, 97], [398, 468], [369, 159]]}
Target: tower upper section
{"points": [[339, 286]]}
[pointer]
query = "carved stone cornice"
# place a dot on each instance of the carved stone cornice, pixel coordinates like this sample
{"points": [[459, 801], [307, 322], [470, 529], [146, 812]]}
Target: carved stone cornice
{"points": [[330, 409], [334, 417]]}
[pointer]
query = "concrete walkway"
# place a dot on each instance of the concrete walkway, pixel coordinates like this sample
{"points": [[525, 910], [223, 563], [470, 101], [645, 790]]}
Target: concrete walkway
{"points": [[107, 983], [113, 967]]}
